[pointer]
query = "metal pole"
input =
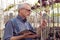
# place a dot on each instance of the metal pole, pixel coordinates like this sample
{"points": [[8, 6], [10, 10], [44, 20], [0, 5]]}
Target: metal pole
{"points": [[58, 15], [41, 21], [53, 18]]}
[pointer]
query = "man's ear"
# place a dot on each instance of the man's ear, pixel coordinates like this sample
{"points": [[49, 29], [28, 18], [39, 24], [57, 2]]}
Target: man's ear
{"points": [[20, 10]]}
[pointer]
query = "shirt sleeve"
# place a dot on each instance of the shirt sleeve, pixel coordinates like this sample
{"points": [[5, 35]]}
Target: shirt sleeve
{"points": [[8, 31]]}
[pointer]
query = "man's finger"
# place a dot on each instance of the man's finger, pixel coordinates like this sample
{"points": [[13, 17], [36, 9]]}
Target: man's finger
{"points": [[28, 33]]}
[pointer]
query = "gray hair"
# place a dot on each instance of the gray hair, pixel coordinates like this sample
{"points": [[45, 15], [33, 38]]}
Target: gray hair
{"points": [[20, 6]]}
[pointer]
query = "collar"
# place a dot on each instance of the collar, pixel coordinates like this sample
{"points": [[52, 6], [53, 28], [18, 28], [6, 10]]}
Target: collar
{"points": [[21, 19]]}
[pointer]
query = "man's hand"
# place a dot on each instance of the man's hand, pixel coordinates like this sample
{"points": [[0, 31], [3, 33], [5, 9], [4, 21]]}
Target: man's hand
{"points": [[30, 35], [43, 23], [24, 35]]}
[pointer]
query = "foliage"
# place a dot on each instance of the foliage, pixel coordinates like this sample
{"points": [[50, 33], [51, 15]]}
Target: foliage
{"points": [[55, 14]]}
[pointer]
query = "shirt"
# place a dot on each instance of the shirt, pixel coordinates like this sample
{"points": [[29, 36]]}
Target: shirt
{"points": [[16, 25]]}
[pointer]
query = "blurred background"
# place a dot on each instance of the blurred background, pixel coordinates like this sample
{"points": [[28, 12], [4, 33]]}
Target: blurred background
{"points": [[41, 9]]}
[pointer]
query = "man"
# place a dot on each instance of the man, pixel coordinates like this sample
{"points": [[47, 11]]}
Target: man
{"points": [[15, 26]]}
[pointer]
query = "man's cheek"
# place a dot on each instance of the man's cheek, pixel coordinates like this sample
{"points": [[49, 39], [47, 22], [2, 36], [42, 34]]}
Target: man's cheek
{"points": [[28, 14]]}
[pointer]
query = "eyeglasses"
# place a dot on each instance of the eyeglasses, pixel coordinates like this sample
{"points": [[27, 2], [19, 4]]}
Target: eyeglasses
{"points": [[27, 9]]}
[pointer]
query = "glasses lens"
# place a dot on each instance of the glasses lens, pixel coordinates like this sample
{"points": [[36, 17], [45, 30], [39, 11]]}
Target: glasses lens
{"points": [[27, 9]]}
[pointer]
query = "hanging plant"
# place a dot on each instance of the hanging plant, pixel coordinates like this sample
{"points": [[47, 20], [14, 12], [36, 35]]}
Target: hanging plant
{"points": [[9, 7]]}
